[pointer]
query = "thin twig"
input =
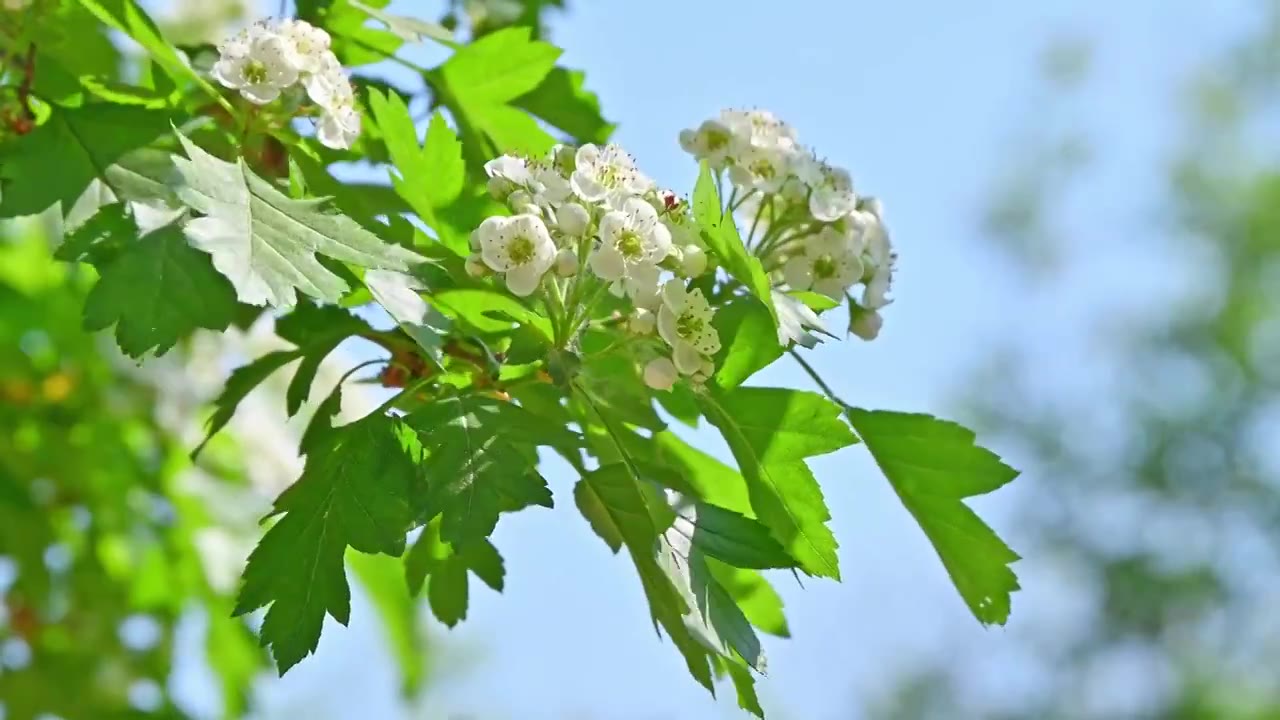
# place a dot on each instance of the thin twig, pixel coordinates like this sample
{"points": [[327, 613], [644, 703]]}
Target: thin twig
{"points": [[817, 378]]}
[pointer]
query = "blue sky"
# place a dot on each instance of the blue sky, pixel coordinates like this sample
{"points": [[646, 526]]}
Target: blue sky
{"points": [[925, 102]]}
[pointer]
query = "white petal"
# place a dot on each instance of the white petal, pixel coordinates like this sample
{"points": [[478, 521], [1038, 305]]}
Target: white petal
{"points": [[798, 272], [608, 264], [260, 94], [688, 360], [674, 294], [523, 280], [229, 71], [831, 287], [667, 326], [659, 243]]}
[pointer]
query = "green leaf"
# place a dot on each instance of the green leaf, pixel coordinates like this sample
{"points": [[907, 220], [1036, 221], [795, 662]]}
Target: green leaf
{"points": [[409, 29], [381, 578], [127, 17], [481, 462], [430, 177], [499, 67], [705, 477], [56, 162], [482, 79], [729, 537], [489, 311], [745, 683], [353, 492], [933, 465], [713, 617], [748, 337], [266, 242], [398, 294], [721, 233], [157, 292], [770, 432], [317, 330], [618, 493], [447, 566], [562, 100], [242, 382], [759, 601]]}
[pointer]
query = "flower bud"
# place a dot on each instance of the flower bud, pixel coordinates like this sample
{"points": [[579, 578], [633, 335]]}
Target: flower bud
{"points": [[572, 219], [566, 263], [642, 322], [694, 261], [661, 374], [518, 200], [866, 324], [500, 188], [476, 267]]}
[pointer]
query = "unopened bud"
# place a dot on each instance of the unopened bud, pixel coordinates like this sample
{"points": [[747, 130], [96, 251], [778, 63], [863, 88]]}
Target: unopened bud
{"points": [[642, 322], [661, 374], [476, 267], [866, 324], [694, 261], [572, 219], [566, 263]]}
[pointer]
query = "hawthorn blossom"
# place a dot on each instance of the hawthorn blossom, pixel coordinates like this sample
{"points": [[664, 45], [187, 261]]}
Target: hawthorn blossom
{"points": [[712, 141], [601, 173], [684, 322], [519, 246], [827, 263], [630, 238], [307, 45], [257, 64], [830, 189]]}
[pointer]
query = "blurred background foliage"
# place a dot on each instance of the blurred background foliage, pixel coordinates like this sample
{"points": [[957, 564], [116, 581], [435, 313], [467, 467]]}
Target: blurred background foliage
{"points": [[1151, 500]]}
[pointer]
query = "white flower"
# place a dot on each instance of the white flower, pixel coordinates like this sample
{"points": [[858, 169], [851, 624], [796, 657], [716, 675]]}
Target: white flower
{"points": [[712, 141], [339, 127], [603, 172], [831, 194], [327, 85], [878, 259], [642, 322], [865, 324], [572, 219], [630, 238], [684, 321], [519, 246], [538, 185], [257, 64], [308, 45], [759, 129], [762, 168], [828, 263], [566, 263], [506, 174], [795, 319], [693, 261], [660, 374]]}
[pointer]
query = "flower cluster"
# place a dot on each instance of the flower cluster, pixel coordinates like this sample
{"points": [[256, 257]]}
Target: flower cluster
{"points": [[269, 59], [815, 233], [16, 5], [588, 220]]}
